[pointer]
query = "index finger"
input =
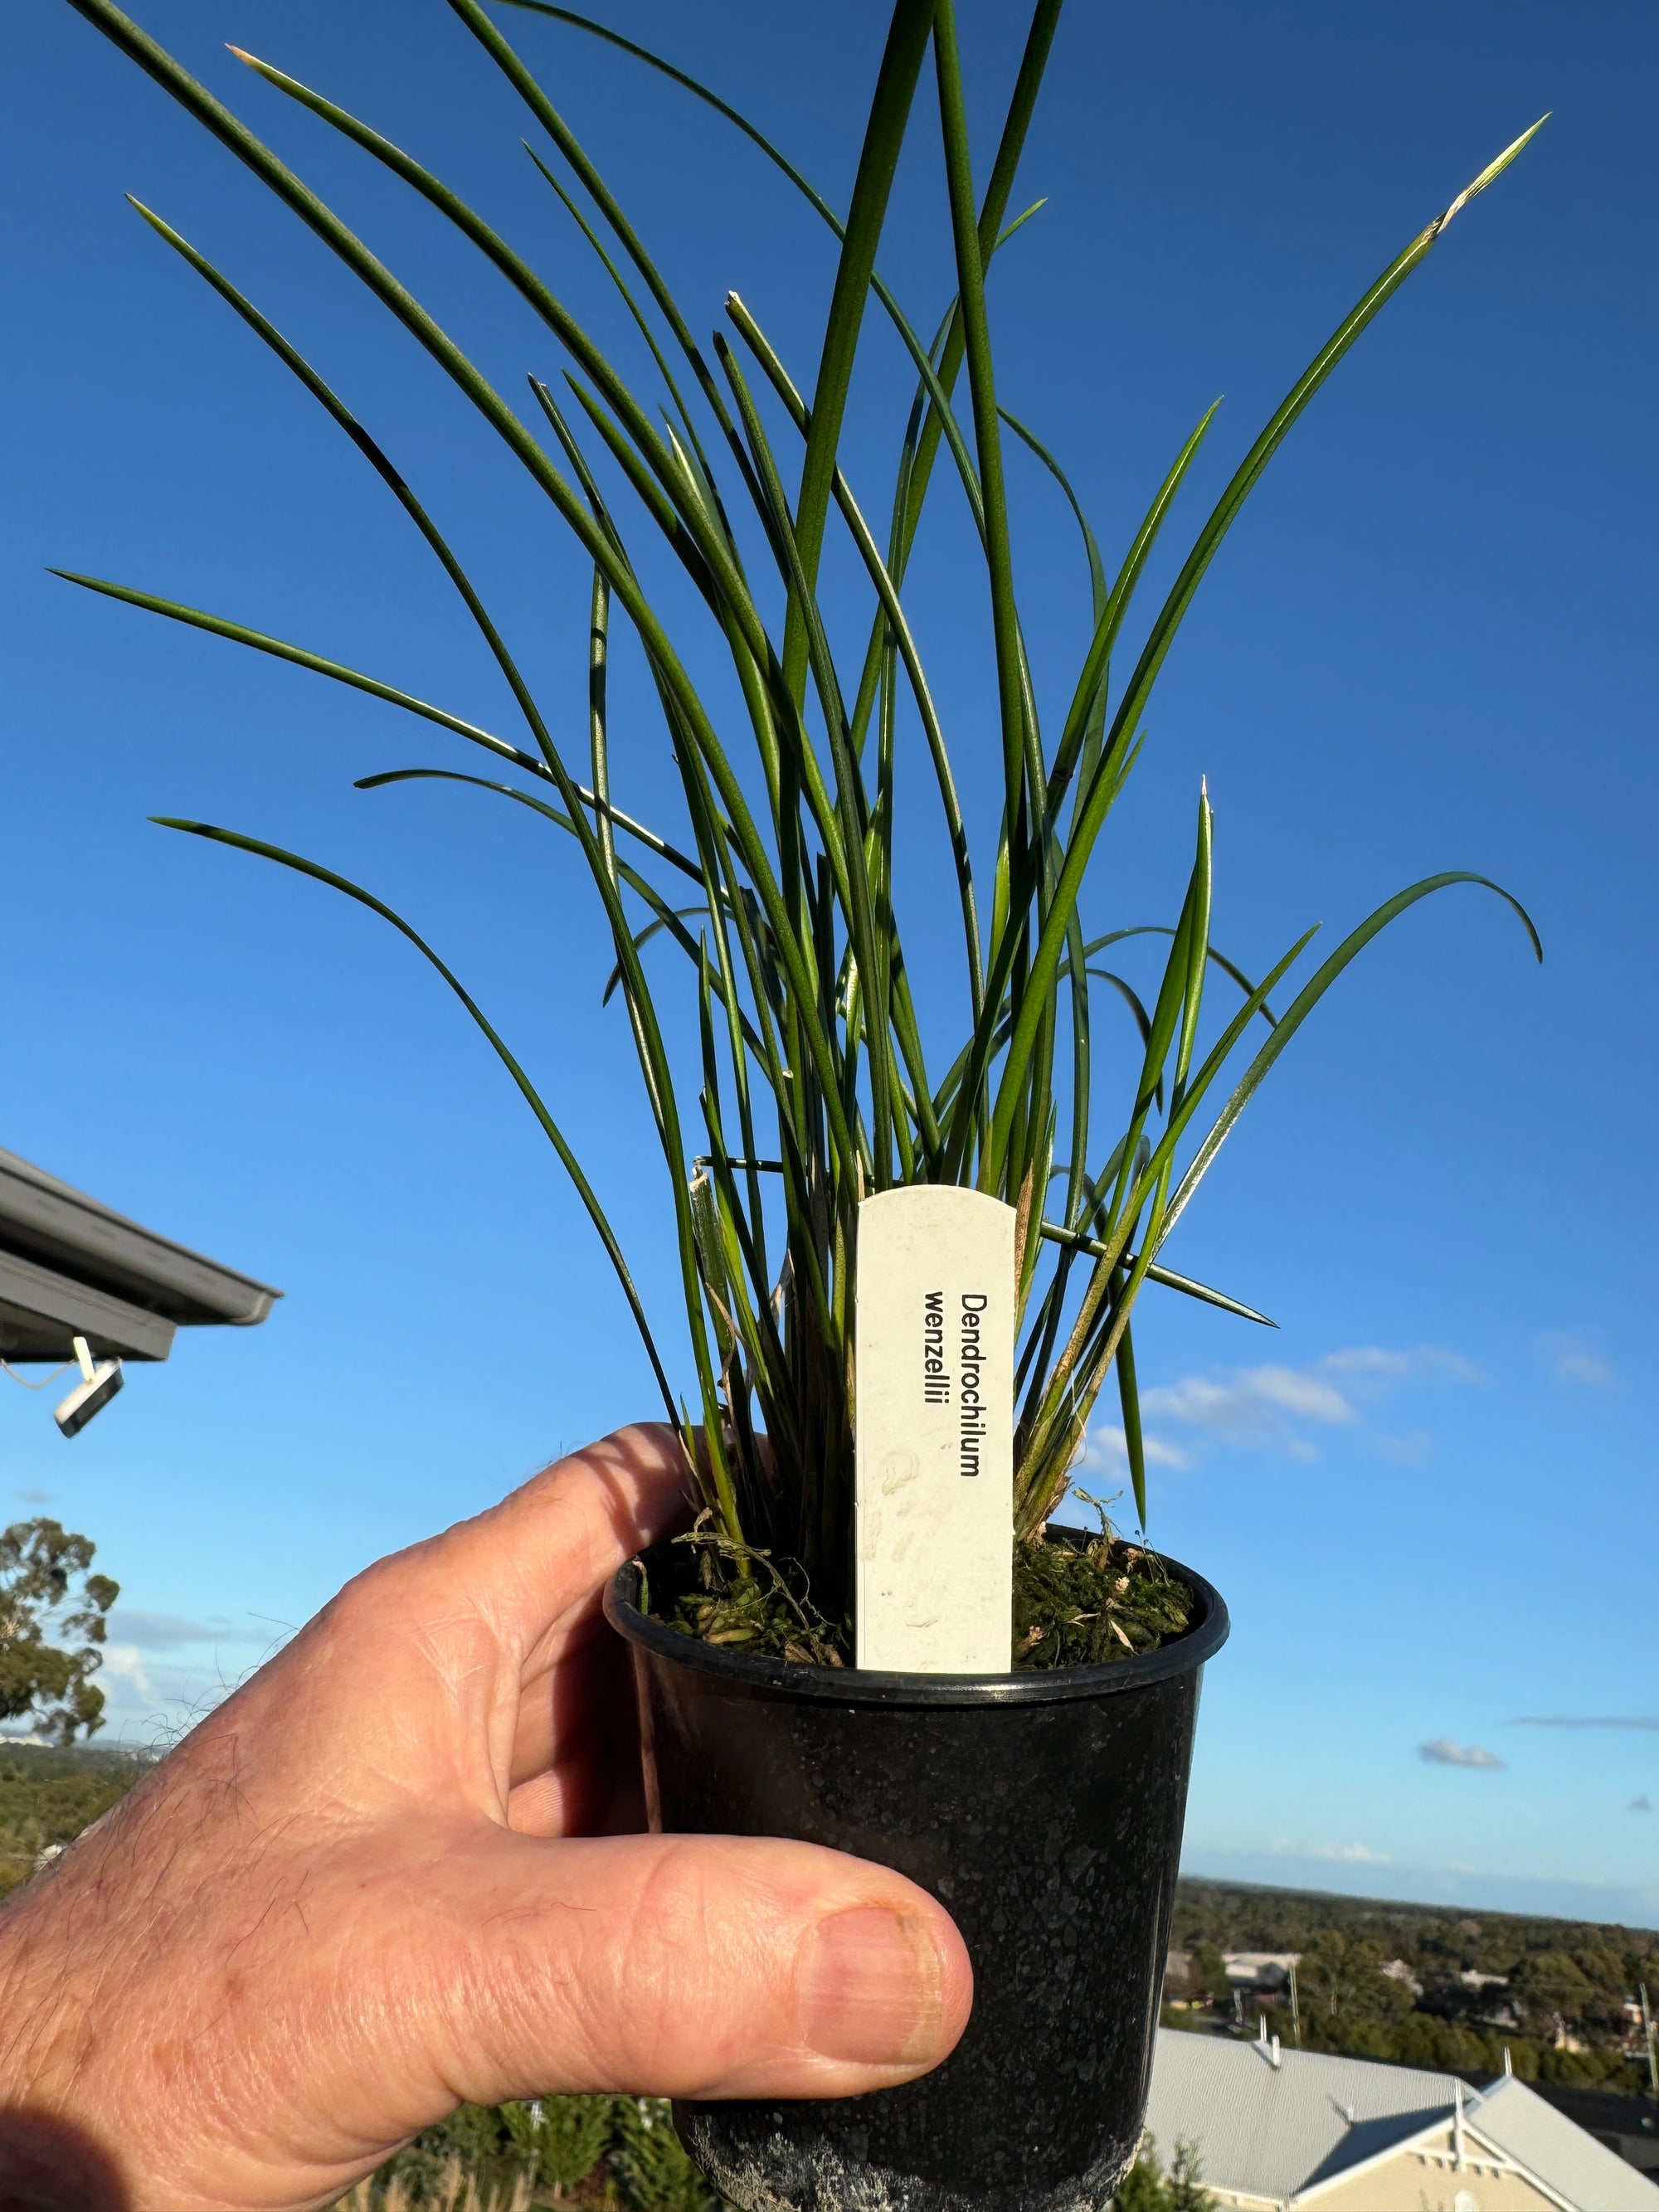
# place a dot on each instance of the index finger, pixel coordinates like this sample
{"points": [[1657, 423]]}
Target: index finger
{"points": [[547, 1552]]}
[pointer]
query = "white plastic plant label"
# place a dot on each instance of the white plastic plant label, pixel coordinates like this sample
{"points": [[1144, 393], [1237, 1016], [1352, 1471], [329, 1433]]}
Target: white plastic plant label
{"points": [[933, 1431]]}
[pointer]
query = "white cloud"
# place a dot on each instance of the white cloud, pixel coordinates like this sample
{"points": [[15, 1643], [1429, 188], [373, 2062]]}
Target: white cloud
{"points": [[1443, 1752], [1271, 1406], [1106, 1449], [1251, 1402], [1572, 1359], [1350, 1854], [124, 1663], [1370, 1363], [166, 1632], [1647, 1721], [151, 1703]]}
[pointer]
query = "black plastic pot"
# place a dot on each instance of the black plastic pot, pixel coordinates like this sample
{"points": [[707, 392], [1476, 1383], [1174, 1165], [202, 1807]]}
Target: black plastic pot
{"points": [[1044, 1810]]}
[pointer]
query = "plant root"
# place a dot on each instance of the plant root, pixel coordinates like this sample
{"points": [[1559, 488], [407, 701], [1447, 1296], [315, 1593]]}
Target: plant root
{"points": [[1080, 1600]]}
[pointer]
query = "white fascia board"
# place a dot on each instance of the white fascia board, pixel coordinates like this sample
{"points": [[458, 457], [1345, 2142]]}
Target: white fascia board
{"points": [[40, 1312], [60, 1227]]}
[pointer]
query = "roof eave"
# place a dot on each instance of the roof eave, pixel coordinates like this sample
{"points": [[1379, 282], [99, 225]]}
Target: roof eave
{"points": [[47, 1224]]}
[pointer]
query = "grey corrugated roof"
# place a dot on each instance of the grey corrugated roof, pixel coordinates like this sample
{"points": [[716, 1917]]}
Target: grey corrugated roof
{"points": [[70, 1264], [1268, 2130], [1558, 2151], [1273, 2132]]}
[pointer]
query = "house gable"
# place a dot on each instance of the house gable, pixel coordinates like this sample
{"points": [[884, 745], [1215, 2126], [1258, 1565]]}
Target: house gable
{"points": [[1431, 2172], [1281, 2130]]}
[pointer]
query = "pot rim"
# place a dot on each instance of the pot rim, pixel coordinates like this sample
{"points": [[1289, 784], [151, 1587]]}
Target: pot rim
{"points": [[861, 1685]]}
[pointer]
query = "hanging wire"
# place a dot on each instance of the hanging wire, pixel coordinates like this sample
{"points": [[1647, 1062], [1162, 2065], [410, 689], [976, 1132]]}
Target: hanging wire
{"points": [[7, 1366]]}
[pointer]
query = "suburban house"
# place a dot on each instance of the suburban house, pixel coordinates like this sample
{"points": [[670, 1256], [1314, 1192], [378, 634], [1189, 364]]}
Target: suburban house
{"points": [[1276, 2130], [1260, 1970]]}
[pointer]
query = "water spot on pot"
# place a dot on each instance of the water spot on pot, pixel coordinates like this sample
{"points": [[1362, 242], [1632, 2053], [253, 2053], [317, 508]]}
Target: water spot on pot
{"points": [[1079, 1859]]}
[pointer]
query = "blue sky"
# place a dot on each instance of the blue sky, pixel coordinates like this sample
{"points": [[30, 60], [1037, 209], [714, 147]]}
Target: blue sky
{"points": [[1429, 1499]]}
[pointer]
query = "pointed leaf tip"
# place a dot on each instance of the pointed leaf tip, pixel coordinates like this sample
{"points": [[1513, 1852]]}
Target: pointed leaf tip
{"points": [[1492, 171]]}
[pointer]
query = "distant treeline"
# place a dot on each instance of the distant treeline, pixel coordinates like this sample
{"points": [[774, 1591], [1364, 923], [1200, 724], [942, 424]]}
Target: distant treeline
{"points": [[1549, 1985], [1426, 1986], [46, 1798]]}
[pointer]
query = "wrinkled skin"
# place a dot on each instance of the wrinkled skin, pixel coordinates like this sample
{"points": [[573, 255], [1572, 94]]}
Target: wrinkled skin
{"points": [[402, 1868]]}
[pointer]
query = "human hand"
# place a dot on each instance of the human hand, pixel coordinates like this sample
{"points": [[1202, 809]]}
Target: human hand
{"points": [[400, 1869]]}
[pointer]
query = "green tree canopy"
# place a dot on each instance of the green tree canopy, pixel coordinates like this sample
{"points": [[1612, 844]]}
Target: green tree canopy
{"points": [[52, 1612], [1210, 1973], [1147, 2188], [1342, 1976], [1550, 1982]]}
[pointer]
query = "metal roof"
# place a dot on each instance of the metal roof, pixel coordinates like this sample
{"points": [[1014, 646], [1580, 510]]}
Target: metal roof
{"points": [[1265, 2129], [1558, 2150], [70, 1266], [1284, 2133]]}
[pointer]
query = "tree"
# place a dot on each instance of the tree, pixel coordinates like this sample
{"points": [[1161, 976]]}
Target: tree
{"points": [[1185, 2187], [1342, 1977], [623, 2149], [562, 2138], [1147, 2189], [1210, 1973], [1608, 1972], [46, 1589], [1143, 2189], [1548, 1985]]}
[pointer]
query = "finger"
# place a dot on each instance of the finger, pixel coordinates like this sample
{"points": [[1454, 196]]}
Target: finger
{"points": [[551, 1547], [465, 1631], [496, 1604], [575, 1765], [687, 1966]]}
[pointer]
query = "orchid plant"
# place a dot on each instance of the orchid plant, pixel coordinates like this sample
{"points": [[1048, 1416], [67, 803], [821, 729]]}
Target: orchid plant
{"points": [[813, 1083]]}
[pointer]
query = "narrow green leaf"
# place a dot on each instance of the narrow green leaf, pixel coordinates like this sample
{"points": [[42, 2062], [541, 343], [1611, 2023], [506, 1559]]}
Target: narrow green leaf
{"points": [[1092, 549], [571, 1165], [756, 339], [890, 110], [613, 815], [1309, 997], [641, 939], [1162, 929], [279, 649], [1017, 734], [1025, 90], [296, 363], [1053, 1233], [1093, 804], [565, 139], [1133, 1443], [1080, 742]]}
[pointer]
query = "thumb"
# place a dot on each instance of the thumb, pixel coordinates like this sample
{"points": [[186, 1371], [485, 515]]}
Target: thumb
{"points": [[691, 1966]]}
